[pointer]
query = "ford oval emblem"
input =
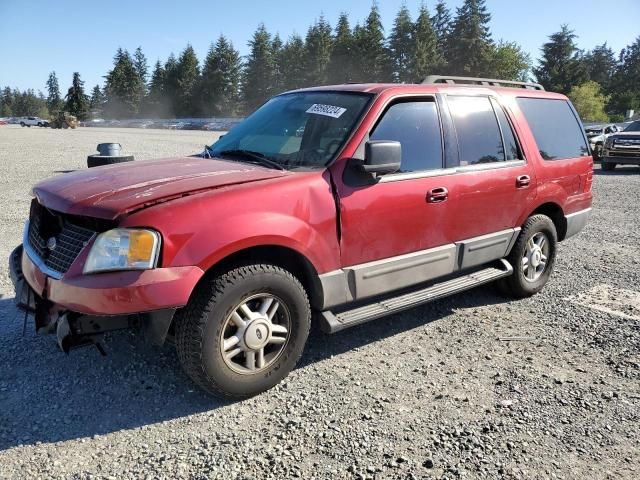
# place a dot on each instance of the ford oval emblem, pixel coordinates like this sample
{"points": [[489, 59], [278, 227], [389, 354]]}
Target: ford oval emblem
{"points": [[51, 243]]}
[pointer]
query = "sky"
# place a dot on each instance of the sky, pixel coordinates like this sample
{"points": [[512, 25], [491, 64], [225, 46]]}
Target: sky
{"points": [[38, 36]]}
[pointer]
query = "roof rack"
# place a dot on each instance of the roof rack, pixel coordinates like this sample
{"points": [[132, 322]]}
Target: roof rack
{"points": [[489, 82]]}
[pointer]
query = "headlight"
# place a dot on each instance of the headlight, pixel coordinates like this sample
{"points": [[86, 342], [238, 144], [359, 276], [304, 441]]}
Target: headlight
{"points": [[608, 142], [123, 249]]}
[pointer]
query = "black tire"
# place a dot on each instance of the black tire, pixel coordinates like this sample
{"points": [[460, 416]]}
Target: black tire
{"points": [[39, 124], [517, 285], [199, 329], [597, 152], [608, 166], [99, 160], [22, 124]]}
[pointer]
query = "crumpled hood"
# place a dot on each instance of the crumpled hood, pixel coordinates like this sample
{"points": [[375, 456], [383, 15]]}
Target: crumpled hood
{"points": [[110, 191]]}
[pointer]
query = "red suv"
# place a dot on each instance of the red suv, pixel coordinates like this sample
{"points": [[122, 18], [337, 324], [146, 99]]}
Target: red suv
{"points": [[342, 203]]}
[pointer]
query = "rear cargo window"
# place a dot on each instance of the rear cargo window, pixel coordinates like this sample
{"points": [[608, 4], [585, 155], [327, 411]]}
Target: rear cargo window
{"points": [[555, 128]]}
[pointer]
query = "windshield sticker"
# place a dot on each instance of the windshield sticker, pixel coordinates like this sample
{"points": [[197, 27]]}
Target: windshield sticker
{"points": [[327, 110]]}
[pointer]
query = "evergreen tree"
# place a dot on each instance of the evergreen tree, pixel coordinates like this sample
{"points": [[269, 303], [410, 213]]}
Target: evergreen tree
{"points": [[340, 68], [561, 66], [6, 103], [54, 101], [470, 42], [426, 57], [142, 69], [375, 62], [601, 65], [171, 88], [292, 63], [318, 44], [278, 67], [441, 22], [188, 78], [155, 104], [77, 102], [625, 83], [401, 46], [122, 87], [96, 103], [221, 75], [258, 81]]}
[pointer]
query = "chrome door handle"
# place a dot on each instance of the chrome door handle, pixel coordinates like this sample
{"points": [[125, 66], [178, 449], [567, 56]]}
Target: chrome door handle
{"points": [[437, 195], [523, 181]]}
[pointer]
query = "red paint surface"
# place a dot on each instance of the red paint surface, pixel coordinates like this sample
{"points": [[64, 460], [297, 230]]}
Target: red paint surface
{"points": [[207, 210]]}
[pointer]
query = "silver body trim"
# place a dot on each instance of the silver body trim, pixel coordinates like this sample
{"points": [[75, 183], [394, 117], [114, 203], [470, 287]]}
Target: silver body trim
{"points": [[440, 172], [576, 221], [365, 280], [33, 256]]}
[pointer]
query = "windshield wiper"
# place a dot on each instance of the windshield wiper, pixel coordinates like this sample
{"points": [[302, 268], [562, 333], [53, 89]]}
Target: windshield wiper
{"points": [[257, 157]]}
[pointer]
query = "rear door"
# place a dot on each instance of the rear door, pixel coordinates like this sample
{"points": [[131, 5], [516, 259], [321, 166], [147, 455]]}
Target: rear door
{"points": [[494, 182]]}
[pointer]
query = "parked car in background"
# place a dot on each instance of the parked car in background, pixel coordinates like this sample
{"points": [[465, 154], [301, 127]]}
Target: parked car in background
{"points": [[394, 195], [622, 148], [597, 134], [33, 122]]}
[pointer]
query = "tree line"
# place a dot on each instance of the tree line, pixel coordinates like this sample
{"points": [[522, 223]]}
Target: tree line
{"points": [[601, 84]]}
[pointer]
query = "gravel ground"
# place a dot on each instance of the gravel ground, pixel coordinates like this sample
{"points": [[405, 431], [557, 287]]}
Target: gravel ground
{"points": [[473, 386]]}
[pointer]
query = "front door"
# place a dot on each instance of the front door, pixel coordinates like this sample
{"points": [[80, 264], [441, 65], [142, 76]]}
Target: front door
{"points": [[395, 232]]}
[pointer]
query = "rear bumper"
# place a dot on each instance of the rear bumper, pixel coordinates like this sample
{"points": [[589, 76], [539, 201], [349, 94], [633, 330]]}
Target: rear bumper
{"points": [[106, 294], [576, 221]]}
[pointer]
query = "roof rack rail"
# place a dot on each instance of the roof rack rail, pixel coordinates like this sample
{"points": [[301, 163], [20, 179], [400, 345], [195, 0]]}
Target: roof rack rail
{"points": [[489, 82]]}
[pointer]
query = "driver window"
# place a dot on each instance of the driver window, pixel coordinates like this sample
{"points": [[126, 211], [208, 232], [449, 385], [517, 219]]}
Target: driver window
{"points": [[416, 126]]}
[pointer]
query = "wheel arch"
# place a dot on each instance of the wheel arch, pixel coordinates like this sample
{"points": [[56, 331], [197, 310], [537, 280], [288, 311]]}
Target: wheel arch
{"points": [[556, 214], [285, 257]]}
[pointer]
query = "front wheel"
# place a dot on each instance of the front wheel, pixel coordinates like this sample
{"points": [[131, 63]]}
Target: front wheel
{"points": [[244, 331], [533, 258]]}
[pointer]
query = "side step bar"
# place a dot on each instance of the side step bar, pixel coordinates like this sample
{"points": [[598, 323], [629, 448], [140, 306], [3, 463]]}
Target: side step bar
{"points": [[332, 323]]}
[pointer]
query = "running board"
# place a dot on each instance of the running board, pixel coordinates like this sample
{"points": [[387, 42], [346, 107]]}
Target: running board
{"points": [[332, 323]]}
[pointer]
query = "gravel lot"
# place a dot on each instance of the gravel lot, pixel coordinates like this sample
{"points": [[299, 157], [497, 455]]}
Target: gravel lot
{"points": [[473, 386]]}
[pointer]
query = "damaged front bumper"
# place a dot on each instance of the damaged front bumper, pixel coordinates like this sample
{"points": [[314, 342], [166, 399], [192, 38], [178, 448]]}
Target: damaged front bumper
{"points": [[81, 309]]}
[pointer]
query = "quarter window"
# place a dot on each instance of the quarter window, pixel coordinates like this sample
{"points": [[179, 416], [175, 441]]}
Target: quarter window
{"points": [[555, 128], [476, 125], [416, 126]]}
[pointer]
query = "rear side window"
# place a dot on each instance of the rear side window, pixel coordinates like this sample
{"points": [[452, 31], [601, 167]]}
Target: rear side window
{"points": [[511, 150], [479, 138], [416, 126], [555, 128]]}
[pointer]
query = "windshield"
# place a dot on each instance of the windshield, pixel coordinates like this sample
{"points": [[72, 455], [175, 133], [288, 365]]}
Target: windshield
{"points": [[303, 129], [594, 131], [634, 127]]}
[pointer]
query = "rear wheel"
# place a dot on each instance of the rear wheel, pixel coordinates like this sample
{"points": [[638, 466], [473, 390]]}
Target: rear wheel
{"points": [[244, 331], [608, 166], [533, 258]]}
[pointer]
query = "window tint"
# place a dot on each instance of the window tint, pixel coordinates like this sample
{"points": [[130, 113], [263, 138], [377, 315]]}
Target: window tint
{"points": [[555, 128], [417, 127], [479, 139], [511, 150]]}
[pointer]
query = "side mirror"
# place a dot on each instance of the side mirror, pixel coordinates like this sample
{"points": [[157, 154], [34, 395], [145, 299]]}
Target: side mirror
{"points": [[382, 156]]}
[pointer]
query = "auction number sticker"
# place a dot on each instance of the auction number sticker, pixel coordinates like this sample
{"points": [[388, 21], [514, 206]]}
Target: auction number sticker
{"points": [[327, 110]]}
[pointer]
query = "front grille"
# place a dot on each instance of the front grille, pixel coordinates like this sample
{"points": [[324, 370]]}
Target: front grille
{"points": [[68, 239], [625, 153]]}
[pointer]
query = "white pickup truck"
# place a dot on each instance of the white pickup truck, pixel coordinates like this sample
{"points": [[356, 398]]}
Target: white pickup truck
{"points": [[33, 121]]}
